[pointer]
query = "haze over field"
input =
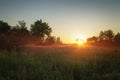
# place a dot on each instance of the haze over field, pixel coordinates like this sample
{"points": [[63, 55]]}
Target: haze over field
{"points": [[68, 18]]}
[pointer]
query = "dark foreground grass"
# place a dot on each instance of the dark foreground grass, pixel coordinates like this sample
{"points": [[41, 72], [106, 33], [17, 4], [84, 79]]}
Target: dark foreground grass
{"points": [[68, 63]]}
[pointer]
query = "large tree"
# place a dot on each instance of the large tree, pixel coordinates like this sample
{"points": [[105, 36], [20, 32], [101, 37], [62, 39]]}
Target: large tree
{"points": [[4, 27], [106, 35], [40, 29]]}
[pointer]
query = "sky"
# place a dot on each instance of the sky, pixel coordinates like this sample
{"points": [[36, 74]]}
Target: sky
{"points": [[67, 18]]}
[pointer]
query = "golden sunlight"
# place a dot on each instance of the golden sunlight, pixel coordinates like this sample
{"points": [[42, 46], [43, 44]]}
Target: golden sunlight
{"points": [[80, 39]]}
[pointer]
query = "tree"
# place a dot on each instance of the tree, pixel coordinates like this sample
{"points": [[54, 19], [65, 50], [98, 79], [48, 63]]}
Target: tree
{"points": [[20, 29], [109, 35], [4, 38], [92, 40], [101, 36], [53, 40], [40, 29], [117, 39], [106, 35], [105, 38], [20, 34], [4, 27], [22, 24], [58, 40], [50, 40]]}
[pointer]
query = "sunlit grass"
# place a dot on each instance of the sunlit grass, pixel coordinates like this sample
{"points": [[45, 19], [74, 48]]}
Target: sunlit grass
{"points": [[61, 63]]}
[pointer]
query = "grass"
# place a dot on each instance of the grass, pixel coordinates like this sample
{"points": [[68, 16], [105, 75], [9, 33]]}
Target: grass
{"points": [[61, 63]]}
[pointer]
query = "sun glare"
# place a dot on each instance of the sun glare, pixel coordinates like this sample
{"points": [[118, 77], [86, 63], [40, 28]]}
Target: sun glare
{"points": [[80, 39]]}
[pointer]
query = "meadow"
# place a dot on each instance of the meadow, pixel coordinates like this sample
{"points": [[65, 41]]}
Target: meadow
{"points": [[60, 63]]}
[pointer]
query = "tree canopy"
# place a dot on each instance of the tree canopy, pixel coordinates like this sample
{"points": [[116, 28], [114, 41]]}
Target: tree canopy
{"points": [[4, 27], [20, 29], [107, 37], [19, 35], [40, 29]]}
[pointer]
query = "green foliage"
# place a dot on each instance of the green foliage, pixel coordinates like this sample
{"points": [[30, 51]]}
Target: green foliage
{"points": [[105, 38], [117, 39], [92, 40], [20, 29], [66, 63], [106, 35], [58, 40], [53, 40], [19, 35], [4, 27], [50, 40], [40, 29]]}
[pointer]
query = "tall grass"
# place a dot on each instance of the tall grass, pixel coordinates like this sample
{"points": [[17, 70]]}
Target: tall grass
{"points": [[56, 63]]}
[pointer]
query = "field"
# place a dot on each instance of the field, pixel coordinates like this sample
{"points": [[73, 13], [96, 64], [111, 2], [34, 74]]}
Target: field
{"points": [[60, 63]]}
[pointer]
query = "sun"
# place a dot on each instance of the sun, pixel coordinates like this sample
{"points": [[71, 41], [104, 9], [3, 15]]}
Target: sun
{"points": [[80, 39]]}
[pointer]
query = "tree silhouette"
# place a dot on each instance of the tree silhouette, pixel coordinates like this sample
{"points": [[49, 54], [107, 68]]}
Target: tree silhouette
{"points": [[105, 38], [4, 32], [92, 40], [50, 40], [109, 35], [101, 36], [58, 40], [20, 29], [40, 29], [106, 35], [20, 34], [17, 36], [22, 24], [117, 39], [4, 27]]}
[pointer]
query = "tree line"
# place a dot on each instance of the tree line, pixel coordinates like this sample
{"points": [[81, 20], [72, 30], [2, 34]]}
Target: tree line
{"points": [[105, 38], [19, 35]]}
